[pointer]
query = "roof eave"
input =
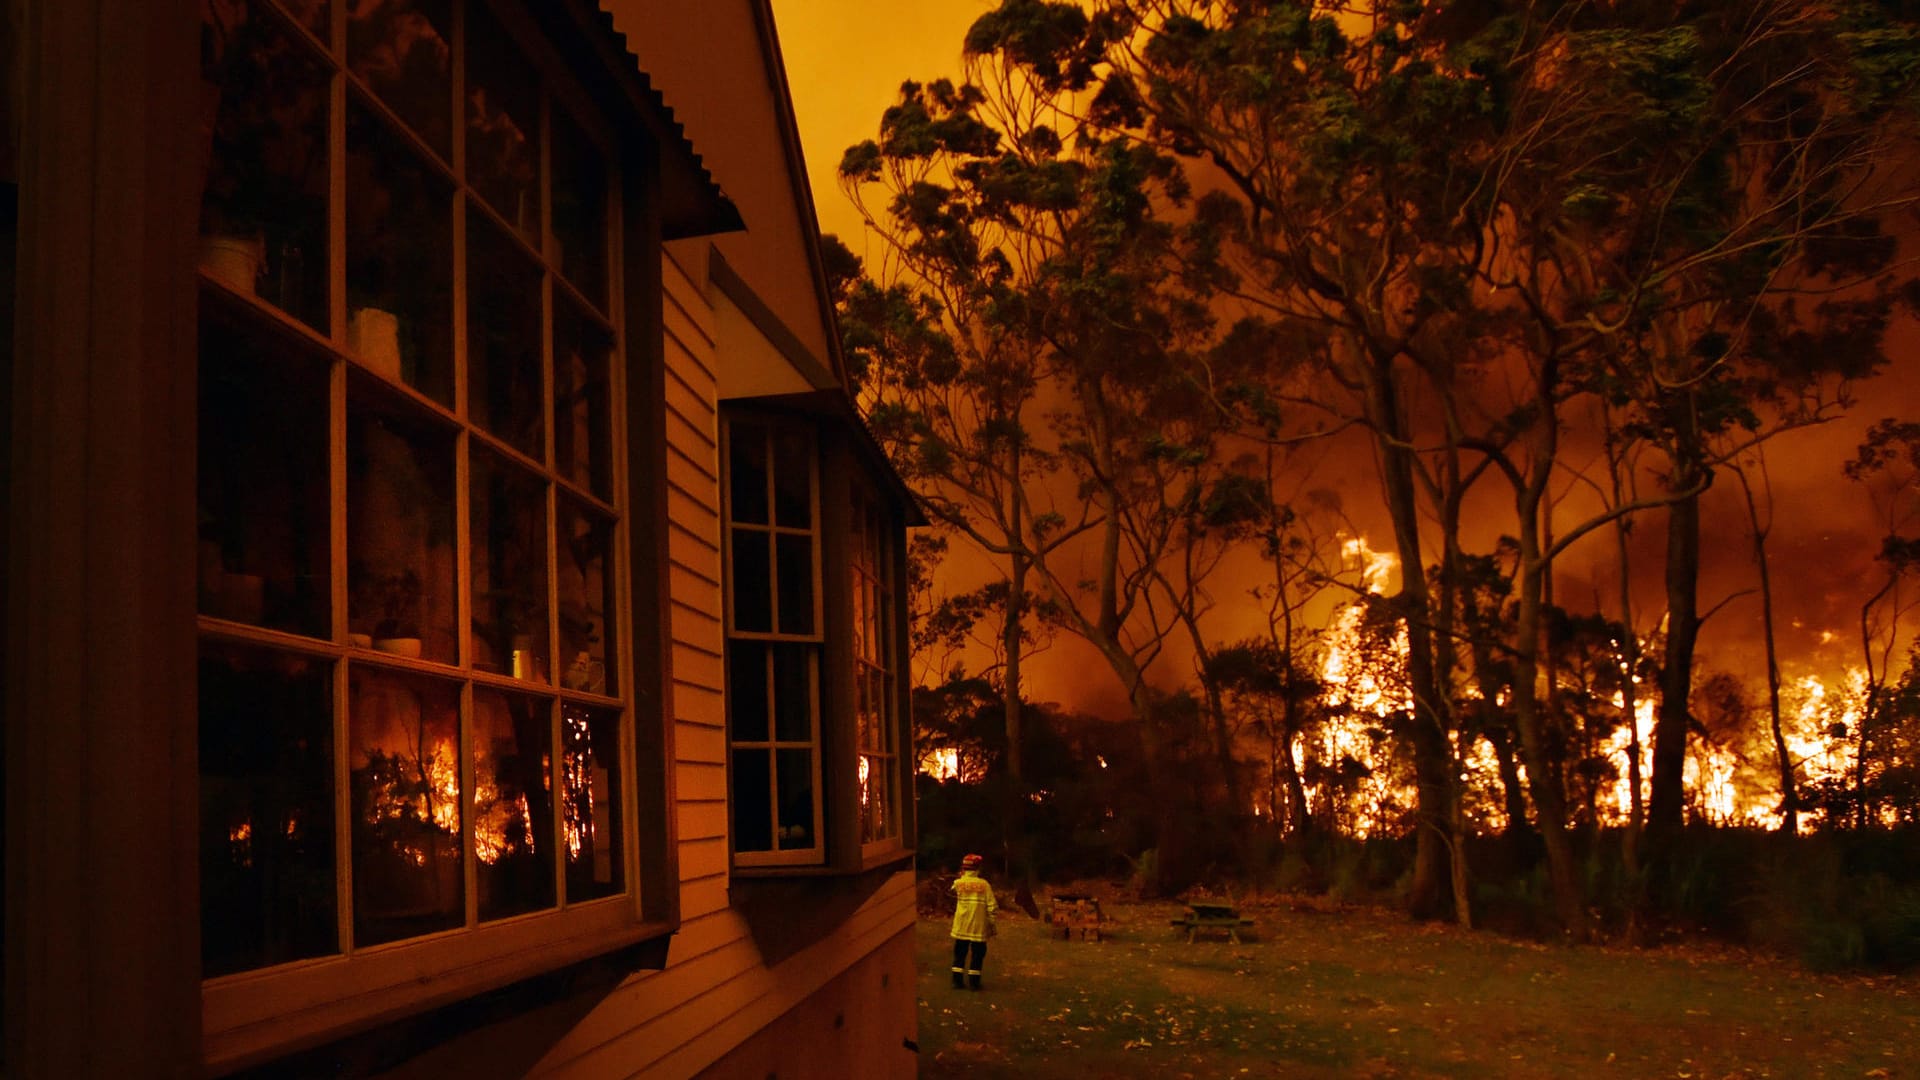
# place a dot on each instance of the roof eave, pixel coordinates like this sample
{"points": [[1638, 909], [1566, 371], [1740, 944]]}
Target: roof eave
{"points": [[690, 200]]}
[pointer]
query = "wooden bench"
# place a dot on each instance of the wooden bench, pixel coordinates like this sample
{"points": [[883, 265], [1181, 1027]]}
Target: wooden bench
{"points": [[1210, 917], [1067, 913]]}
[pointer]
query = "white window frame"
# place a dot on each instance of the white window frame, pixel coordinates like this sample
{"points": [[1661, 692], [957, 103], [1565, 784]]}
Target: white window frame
{"points": [[815, 642]]}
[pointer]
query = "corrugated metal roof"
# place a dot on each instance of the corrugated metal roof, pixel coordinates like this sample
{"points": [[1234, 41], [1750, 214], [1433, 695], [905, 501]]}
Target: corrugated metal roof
{"points": [[691, 201]]}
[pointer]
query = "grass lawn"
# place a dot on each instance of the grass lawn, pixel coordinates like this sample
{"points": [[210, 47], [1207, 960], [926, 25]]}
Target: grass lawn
{"points": [[1370, 994]]}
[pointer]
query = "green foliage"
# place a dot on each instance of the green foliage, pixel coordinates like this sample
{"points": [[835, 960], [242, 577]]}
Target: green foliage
{"points": [[1058, 42], [1839, 902], [1453, 227]]}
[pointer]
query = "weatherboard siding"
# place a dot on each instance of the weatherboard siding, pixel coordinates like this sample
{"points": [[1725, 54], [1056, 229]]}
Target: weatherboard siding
{"points": [[717, 990]]}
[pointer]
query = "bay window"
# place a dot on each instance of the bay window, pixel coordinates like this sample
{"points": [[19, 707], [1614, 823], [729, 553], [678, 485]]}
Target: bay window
{"points": [[870, 555], [814, 647], [774, 643]]}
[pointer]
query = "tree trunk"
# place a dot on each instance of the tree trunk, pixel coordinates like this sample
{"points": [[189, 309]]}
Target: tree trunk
{"points": [[1629, 687], [1512, 797], [1549, 800], [1299, 816], [1013, 811], [1222, 738], [1167, 839], [1789, 795], [1462, 878], [1015, 621], [1446, 661], [1870, 707], [1013, 816], [1536, 570], [1666, 806], [1630, 704], [1011, 642], [1432, 759]]}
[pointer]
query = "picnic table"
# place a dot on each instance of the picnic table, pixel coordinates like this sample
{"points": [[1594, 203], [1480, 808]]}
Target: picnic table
{"points": [[1067, 912], [1202, 915]]}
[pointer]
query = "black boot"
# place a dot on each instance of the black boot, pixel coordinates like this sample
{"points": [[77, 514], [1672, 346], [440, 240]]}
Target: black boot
{"points": [[957, 984], [973, 982]]}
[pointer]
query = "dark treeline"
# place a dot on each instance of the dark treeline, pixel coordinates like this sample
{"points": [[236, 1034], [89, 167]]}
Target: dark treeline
{"points": [[1152, 262]]}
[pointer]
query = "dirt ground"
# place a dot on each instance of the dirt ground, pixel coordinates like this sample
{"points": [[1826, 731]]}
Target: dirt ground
{"points": [[1315, 991]]}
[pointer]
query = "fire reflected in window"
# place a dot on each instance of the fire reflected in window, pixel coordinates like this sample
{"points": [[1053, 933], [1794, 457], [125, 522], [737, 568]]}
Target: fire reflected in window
{"points": [[512, 802], [266, 808], [404, 745], [590, 778]]}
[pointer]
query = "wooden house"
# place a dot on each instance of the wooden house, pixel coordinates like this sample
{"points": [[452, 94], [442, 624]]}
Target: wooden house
{"points": [[455, 616]]}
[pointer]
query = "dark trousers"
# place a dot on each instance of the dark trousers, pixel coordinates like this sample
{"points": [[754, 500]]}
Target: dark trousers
{"points": [[968, 956]]}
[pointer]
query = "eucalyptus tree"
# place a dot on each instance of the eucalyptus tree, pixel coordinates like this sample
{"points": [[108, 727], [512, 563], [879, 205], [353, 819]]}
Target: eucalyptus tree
{"points": [[1888, 462], [1274, 694], [1760, 527], [1473, 213], [1706, 247], [1353, 155], [1029, 353]]}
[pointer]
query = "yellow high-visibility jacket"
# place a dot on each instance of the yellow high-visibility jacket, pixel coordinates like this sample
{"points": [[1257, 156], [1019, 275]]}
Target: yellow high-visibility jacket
{"points": [[973, 907]]}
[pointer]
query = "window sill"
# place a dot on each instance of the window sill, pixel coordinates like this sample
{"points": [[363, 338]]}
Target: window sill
{"points": [[868, 862], [885, 857], [254, 1017]]}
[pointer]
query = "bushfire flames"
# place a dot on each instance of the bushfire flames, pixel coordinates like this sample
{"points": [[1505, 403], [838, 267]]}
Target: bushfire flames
{"points": [[1353, 778], [1727, 784]]}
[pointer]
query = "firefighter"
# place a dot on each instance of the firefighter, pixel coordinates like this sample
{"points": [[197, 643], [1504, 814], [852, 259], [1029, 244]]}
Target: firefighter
{"points": [[973, 909]]}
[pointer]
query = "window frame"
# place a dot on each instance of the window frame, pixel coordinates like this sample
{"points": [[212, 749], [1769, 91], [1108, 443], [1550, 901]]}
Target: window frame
{"points": [[254, 1015], [840, 457], [815, 641], [875, 615]]}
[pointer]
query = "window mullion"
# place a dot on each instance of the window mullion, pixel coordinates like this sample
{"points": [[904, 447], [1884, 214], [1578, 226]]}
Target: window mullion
{"points": [[457, 156], [337, 184], [816, 750], [770, 748], [470, 861], [337, 478], [342, 813], [768, 454], [556, 779], [622, 658], [464, 604], [556, 707], [816, 532]]}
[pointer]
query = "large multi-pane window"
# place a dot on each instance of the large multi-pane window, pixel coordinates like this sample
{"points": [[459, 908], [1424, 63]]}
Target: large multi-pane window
{"points": [[774, 640], [415, 699]]}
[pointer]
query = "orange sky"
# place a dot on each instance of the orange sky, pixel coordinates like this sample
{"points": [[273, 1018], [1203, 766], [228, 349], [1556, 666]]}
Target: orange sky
{"points": [[845, 60]]}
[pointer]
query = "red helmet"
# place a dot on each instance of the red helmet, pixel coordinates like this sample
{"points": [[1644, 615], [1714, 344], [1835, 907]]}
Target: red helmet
{"points": [[971, 862]]}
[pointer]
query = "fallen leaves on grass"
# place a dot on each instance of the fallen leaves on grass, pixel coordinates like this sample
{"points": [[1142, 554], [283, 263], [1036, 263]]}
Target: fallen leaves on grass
{"points": [[1365, 993]]}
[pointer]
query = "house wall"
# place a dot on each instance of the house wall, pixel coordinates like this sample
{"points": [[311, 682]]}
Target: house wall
{"points": [[758, 968], [101, 978], [100, 833], [706, 59], [855, 1020]]}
